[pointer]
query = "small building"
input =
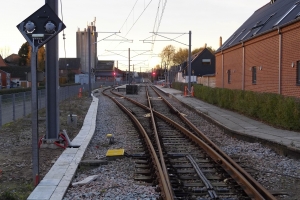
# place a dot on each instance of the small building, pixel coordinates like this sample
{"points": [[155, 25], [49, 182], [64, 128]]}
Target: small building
{"points": [[263, 54], [13, 60], [2, 62], [68, 67], [208, 80], [4, 79], [14, 76], [105, 70], [84, 78], [203, 63]]}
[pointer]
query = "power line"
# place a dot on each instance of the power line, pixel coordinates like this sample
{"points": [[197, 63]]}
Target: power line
{"points": [[138, 18], [134, 22], [163, 10], [129, 14]]}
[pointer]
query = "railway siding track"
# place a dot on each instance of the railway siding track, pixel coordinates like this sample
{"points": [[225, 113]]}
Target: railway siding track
{"points": [[195, 166]]}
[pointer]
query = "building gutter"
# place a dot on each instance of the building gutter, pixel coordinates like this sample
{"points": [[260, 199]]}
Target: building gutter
{"points": [[279, 61], [243, 70], [222, 69]]}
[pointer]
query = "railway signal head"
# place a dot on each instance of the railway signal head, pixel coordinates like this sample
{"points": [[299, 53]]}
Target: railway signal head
{"points": [[29, 27], [50, 27]]}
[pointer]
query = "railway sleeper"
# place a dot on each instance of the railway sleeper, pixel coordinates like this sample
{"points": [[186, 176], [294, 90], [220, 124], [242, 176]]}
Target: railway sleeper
{"points": [[192, 170]]}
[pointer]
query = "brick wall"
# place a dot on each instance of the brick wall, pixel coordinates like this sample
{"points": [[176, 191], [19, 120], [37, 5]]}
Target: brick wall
{"points": [[263, 53], [290, 54]]}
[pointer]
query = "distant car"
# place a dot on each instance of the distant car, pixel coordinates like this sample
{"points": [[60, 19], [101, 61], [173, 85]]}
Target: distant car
{"points": [[161, 81]]}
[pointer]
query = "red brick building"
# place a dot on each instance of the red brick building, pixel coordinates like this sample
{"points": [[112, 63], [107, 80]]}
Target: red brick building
{"points": [[263, 55], [2, 62]]}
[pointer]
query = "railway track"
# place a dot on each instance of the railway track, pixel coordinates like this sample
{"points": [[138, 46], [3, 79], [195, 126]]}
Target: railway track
{"points": [[179, 158]]}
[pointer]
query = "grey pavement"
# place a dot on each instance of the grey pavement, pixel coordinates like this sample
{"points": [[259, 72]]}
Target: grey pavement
{"points": [[283, 141]]}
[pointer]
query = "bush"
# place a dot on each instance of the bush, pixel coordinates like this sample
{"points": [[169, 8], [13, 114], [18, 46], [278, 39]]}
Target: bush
{"points": [[274, 109]]}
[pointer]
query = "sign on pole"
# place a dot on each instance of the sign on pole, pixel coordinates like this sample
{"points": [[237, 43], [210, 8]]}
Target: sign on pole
{"points": [[38, 29]]}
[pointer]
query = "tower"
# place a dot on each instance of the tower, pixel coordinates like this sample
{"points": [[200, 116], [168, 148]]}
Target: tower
{"points": [[82, 47]]}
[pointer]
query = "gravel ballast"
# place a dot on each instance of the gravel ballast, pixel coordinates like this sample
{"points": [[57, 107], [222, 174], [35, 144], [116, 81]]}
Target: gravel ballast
{"points": [[115, 180]]}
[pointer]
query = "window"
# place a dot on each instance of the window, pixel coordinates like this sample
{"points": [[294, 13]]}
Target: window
{"points": [[229, 40], [253, 75], [206, 61], [229, 76], [245, 35], [298, 73], [288, 12], [258, 27], [237, 36]]}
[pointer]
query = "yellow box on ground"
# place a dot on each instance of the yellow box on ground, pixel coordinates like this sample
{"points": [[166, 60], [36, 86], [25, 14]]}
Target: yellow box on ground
{"points": [[115, 152]]}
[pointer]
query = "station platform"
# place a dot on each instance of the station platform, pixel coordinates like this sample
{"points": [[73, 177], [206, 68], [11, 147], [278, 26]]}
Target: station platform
{"points": [[282, 141]]}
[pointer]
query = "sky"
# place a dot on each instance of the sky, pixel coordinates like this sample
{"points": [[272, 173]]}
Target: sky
{"points": [[208, 20]]}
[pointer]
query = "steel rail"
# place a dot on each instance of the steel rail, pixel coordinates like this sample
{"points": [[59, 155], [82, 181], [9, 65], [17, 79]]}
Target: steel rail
{"points": [[206, 182], [165, 193], [233, 172], [161, 156], [253, 188], [265, 193]]}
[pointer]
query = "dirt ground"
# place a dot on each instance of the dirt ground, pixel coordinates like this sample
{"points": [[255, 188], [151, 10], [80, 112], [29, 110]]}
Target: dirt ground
{"points": [[16, 175]]}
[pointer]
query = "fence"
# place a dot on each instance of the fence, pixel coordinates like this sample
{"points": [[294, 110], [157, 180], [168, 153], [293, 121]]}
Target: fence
{"points": [[18, 105]]}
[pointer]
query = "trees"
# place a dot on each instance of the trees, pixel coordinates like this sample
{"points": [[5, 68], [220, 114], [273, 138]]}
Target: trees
{"points": [[25, 54], [41, 57], [201, 48], [180, 56], [167, 56]]}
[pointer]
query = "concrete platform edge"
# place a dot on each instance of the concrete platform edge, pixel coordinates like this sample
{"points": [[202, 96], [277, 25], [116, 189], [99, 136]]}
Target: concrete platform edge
{"points": [[58, 189]]}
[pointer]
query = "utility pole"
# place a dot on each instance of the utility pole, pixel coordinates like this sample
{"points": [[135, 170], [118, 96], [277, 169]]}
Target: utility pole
{"points": [[133, 73], [89, 54], [174, 40], [52, 112], [190, 55], [129, 64]]}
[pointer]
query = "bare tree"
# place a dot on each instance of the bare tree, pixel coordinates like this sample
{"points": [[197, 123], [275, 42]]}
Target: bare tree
{"points": [[180, 56], [167, 56], [4, 51]]}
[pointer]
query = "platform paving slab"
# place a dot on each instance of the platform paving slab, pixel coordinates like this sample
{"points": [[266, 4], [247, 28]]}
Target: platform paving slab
{"points": [[42, 193]]}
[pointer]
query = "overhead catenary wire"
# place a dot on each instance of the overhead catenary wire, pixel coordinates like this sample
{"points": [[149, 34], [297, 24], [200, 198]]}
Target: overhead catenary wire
{"points": [[159, 22], [129, 14], [158, 19], [138, 18], [127, 20]]}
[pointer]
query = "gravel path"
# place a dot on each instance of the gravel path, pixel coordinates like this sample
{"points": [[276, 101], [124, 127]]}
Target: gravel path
{"points": [[115, 180]]}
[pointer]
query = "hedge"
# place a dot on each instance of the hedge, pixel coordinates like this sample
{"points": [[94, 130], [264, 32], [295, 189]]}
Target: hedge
{"points": [[273, 109]]}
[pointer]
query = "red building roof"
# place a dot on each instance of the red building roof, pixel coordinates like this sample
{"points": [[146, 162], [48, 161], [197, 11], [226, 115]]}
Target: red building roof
{"points": [[2, 63]]}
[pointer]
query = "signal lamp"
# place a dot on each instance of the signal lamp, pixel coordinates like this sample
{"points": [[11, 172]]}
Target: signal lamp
{"points": [[29, 26], [50, 27]]}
